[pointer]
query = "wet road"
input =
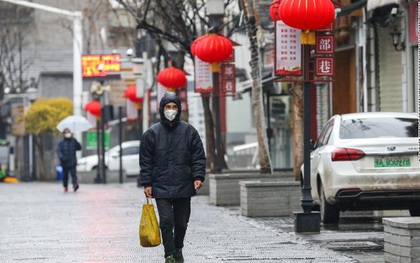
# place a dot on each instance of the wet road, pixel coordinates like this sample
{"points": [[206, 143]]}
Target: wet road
{"points": [[99, 224]]}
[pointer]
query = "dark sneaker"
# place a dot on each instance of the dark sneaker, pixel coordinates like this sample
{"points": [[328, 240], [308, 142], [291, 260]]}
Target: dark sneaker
{"points": [[170, 259], [178, 256], [66, 189], [75, 187]]}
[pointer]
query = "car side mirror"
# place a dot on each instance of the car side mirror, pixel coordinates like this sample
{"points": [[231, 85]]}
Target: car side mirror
{"points": [[115, 154], [312, 143]]}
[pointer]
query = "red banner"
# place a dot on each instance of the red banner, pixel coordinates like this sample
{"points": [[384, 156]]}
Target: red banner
{"points": [[413, 16]]}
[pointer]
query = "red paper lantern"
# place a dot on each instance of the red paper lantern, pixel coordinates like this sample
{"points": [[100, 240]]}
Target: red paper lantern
{"points": [[93, 107], [172, 78], [274, 10], [130, 93], [307, 15], [194, 44], [214, 48]]}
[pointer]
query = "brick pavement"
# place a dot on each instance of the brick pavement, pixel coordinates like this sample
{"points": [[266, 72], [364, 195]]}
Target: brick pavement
{"points": [[40, 223]]}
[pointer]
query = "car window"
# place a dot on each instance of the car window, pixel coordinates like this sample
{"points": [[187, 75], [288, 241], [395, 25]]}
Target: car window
{"points": [[325, 134], [328, 132], [378, 127], [130, 150]]}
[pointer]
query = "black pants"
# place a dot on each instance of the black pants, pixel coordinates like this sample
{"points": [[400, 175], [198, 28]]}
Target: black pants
{"points": [[174, 215], [72, 171]]}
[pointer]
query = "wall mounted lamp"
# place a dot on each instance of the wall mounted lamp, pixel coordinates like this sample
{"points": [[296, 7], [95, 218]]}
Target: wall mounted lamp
{"points": [[397, 41]]}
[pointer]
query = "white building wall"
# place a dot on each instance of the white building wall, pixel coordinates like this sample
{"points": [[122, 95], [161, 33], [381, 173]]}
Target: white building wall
{"points": [[196, 114]]}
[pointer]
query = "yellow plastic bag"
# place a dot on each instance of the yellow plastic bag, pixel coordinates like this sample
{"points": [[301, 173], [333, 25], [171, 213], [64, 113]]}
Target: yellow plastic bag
{"points": [[149, 232]]}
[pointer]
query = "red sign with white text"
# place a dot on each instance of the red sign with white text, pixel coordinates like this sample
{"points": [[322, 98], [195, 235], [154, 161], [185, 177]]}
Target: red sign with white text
{"points": [[324, 66], [324, 45]]}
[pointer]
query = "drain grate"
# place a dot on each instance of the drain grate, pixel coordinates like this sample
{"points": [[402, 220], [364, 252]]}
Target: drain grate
{"points": [[349, 246]]}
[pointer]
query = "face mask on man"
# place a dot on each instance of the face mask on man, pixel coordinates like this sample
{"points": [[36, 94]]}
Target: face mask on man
{"points": [[170, 114], [67, 135]]}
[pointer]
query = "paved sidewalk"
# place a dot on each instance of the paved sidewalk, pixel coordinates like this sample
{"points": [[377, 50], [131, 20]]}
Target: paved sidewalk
{"points": [[99, 223]]}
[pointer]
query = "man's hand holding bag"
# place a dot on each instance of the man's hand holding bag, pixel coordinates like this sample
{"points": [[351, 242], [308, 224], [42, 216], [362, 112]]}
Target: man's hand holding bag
{"points": [[149, 232]]}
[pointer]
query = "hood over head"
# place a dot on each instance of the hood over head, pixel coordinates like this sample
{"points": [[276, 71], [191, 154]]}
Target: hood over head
{"points": [[169, 97]]}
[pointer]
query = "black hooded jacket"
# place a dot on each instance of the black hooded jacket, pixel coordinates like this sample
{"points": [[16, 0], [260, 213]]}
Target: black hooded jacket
{"points": [[171, 155]]}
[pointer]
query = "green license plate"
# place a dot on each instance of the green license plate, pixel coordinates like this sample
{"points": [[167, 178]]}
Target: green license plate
{"points": [[392, 162]]}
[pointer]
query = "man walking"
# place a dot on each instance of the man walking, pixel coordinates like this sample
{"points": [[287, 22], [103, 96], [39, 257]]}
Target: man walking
{"points": [[173, 166], [66, 152]]}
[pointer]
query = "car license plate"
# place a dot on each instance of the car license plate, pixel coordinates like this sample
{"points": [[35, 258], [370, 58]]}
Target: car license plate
{"points": [[392, 162]]}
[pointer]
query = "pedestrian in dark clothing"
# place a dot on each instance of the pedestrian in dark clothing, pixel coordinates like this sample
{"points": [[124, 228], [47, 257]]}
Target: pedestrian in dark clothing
{"points": [[173, 167], [66, 152]]}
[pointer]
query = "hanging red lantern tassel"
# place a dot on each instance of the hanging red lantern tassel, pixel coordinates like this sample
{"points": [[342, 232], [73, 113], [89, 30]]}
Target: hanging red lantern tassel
{"points": [[274, 10], [307, 15], [172, 78]]}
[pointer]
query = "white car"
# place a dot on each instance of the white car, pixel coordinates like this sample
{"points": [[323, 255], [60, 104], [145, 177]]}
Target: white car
{"points": [[366, 161], [130, 159]]}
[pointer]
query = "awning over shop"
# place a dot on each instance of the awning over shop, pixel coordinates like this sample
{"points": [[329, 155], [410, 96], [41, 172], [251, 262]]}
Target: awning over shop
{"points": [[373, 4], [348, 9]]}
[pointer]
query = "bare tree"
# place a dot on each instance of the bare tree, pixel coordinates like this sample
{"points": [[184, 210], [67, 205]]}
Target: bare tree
{"points": [[179, 22], [298, 140], [15, 22], [13, 64], [248, 7]]}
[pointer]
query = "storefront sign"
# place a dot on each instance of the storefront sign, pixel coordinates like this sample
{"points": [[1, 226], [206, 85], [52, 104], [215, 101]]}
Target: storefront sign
{"points": [[92, 140], [18, 119], [91, 65], [288, 50], [117, 97]]}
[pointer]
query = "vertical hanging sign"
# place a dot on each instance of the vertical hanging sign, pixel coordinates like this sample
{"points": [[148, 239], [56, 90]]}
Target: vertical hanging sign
{"points": [[324, 52], [288, 50], [227, 80], [203, 76]]}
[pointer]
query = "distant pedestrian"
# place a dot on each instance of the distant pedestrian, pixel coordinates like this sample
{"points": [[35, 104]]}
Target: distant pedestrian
{"points": [[173, 166], [66, 152]]}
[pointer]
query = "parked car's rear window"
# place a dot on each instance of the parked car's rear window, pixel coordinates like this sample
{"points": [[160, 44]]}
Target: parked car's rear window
{"points": [[378, 127]]}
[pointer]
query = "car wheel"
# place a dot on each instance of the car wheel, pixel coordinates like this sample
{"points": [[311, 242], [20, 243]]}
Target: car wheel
{"points": [[329, 213], [414, 211]]}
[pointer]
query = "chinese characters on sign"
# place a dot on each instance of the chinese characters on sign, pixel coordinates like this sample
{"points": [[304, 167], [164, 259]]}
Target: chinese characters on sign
{"points": [[228, 82], [324, 53], [324, 45], [288, 50], [203, 76], [109, 63], [324, 66]]}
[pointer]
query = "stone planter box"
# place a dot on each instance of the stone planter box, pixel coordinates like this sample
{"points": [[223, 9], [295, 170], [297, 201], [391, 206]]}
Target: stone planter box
{"points": [[402, 239], [273, 198], [225, 189], [205, 190]]}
